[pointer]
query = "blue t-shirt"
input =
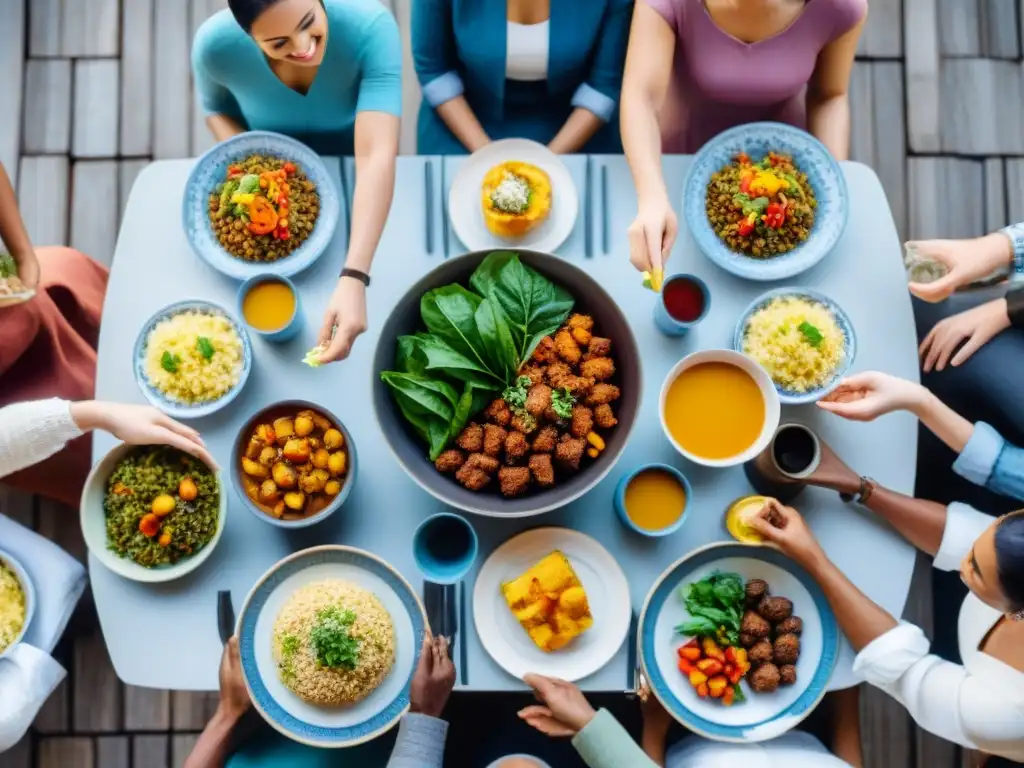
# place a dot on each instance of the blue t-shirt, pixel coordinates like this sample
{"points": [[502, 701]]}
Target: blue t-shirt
{"points": [[361, 71]]}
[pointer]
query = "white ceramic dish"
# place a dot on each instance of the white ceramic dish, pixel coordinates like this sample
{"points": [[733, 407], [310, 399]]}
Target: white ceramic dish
{"points": [[94, 526], [772, 408], [21, 575], [607, 591], [16, 298], [464, 207]]}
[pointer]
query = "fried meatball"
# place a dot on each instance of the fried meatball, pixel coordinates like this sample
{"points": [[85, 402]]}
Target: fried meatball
{"points": [[538, 399], [449, 461], [498, 413], [582, 421], [545, 351], [578, 386], [756, 589], [755, 625], [516, 447], [748, 641], [567, 347], [523, 422], [542, 469], [586, 322], [569, 451], [483, 462], [494, 439], [514, 480], [598, 368], [787, 649], [535, 373], [794, 625], [765, 679], [471, 439], [551, 415], [476, 472], [556, 373], [787, 674], [775, 609], [599, 347], [761, 652], [605, 416], [545, 440], [603, 393]]}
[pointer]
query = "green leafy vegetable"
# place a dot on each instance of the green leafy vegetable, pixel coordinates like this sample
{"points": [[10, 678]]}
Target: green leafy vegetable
{"points": [[229, 188], [249, 184], [795, 189], [562, 401], [8, 267], [515, 395], [428, 404], [811, 334], [331, 639], [205, 347], [169, 362], [715, 605]]}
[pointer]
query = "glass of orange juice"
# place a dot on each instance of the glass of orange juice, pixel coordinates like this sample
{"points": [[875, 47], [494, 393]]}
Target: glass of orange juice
{"points": [[270, 306], [652, 499]]}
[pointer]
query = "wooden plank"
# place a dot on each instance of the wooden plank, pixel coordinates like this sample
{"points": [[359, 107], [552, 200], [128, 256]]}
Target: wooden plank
{"points": [[44, 27], [12, 65], [173, 71], [886, 730], [43, 198], [18, 756], [999, 27], [93, 217], [150, 751], [862, 129], [995, 195], [1014, 190], [980, 120], [959, 30], [18, 506], [191, 710], [921, 43], [97, 95], [47, 124], [129, 170], [137, 85], [98, 694], [924, 211], [200, 11], [52, 522], [63, 752], [146, 709], [113, 752], [883, 32], [55, 715], [91, 27], [890, 137], [182, 745]]}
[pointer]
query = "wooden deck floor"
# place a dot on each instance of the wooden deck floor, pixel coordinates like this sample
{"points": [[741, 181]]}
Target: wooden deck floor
{"points": [[92, 90]]}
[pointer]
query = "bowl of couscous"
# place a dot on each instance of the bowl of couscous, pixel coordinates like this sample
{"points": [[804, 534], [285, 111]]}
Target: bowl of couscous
{"points": [[17, 602], [192, 358]]}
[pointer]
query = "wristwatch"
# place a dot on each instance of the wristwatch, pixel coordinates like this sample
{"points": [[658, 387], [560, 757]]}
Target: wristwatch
{"points": [[355, 274], [1015, 306], [867, 487]]}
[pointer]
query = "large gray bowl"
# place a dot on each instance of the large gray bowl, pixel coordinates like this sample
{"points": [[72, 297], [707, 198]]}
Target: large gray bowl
{"points": [[410, 450]]}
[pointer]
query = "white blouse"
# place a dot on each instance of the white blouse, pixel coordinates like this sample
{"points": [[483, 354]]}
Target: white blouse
{"points": [[527, 51], [979, 705], [795, 749], [33, 431]]}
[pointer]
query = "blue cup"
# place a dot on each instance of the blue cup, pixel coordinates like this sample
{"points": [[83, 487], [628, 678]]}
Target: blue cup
{"points": [[620, 500], [289, 330], [669, 325], [445, 547]]}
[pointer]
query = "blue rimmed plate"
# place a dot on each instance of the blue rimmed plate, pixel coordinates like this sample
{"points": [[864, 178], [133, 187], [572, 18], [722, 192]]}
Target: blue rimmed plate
{"points": [[210, 171], [298, 719], [810, 156], [790, 397], [29, 592], [158, 399], [762, 716]]}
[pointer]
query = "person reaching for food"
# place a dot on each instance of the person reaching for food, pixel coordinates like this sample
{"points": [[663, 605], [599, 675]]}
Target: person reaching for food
{"points": [[328, 73], [979, 704]]}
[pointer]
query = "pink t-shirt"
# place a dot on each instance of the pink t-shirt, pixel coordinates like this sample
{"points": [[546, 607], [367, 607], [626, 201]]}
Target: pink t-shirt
{"points": [[719, 82]]}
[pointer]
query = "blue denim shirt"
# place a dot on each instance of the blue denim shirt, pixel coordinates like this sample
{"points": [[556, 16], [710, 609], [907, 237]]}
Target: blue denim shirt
{"points": [[988, 460], [1015, 232]]}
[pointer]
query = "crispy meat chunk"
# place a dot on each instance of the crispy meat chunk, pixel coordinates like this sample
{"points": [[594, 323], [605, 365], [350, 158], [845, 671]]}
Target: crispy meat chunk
{"points": [[755, 625], [582, 420], [545, 351], [605, 416], [545, 440], [756, 589], [748, 641], [567, 347], [523, 422], [476, 472], [787, 674], [516, 447], [449, 461], [498, 413], [775, 609], [794, 625], [535, 373], [603, 393], [556, 372], [569, 451], [471, 439], [586, 322], [787, 649], [494, 439], [542, 469], [598, 368], [599, 347], [488, 464], [762, 651], [538, 399], [765, 679], [514, 480]]}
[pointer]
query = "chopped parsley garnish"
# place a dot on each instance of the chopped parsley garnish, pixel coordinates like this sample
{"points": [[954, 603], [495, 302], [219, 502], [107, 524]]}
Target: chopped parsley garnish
{"points": [[811, 334], [562, 401], [332, 641], [289, 647], [170, 362], [515, 396], [205, 347]]}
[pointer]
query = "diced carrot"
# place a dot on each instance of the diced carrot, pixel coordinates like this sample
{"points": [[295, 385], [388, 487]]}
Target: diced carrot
{"points": [[702, 690], [710, 667], [689, 653], [697, 678], [717, 686], [735, 676], [686, 667], [712, 650], [729, 696], [741, 656], [165, 539], [730, 655]]}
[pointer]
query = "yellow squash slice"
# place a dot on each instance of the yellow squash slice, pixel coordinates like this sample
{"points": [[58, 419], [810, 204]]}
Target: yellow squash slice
{"points": [[550, 602]]}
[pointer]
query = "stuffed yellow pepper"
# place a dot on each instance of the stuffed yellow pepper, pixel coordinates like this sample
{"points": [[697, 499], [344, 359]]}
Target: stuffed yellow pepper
{"points": [[516, 198], [549, 602]]}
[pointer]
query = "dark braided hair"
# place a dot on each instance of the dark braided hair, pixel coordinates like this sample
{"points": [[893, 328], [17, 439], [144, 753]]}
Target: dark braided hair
{"points": [[1010, 558], [247, 11]]}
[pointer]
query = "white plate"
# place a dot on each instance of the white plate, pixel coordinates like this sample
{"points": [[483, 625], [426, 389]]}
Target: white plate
{"points": [[466, 213], [16, 298], [607, 592]]}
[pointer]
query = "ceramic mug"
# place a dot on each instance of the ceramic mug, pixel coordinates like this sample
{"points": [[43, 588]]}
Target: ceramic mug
{"points": [[289, 330], [619, 500], [668, 324], [445, 547], [790, 458]]}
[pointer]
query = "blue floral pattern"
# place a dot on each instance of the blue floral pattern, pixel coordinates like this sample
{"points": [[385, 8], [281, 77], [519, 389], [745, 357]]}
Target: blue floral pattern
{"points": [[787, 397], [210, 171], [158, 399], [810, 156]]}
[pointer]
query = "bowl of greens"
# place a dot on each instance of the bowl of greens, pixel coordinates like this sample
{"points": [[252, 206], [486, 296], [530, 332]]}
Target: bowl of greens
{"points": [[507, 382], [12, 290]]}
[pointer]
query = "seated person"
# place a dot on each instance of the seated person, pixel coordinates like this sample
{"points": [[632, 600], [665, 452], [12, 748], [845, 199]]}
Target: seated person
{"points": [[534, 69]]}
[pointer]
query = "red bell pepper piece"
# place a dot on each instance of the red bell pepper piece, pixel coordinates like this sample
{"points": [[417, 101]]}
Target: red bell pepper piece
{"points": [[710, 667], [729, 696], [745, 227], [686, 667], [702, 690], [774, 215]]}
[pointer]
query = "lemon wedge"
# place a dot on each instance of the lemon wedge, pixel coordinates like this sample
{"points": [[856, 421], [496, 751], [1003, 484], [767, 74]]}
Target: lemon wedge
{"points": [[654, 279]]}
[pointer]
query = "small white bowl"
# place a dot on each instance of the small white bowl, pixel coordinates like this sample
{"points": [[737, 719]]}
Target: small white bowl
{"points": [[770, 394], [94, 526], [21, 576]]}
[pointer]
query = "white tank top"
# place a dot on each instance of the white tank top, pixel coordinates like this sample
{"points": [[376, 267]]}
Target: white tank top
{"points": [[527, 46]]}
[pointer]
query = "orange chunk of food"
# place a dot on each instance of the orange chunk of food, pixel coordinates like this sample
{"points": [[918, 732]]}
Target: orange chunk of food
{"points": [[149, 525]]}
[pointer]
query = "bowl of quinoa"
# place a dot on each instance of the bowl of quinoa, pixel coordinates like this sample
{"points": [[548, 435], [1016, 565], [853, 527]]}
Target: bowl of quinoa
{"points": [[17, 602]]}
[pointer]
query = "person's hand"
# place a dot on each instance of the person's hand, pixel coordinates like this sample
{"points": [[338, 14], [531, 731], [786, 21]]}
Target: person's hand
{"points": [[28, 271], [790, 535], [140, 425], [657, 720], [434, 678], [966, 261], [344, 320], [234, 697], [832, 472], [652, 235], [563, 709], [972, 329], [866, 396]]}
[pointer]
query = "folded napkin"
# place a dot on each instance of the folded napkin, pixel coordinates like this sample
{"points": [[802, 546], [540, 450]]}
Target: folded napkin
{"points": [[28, 675]]}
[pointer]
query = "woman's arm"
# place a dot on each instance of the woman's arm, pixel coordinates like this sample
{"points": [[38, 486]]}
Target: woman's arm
{"points": [[14, 235], [213, 747], [604, 743], [577, 130], [223, 127], [222, 113], [828, 103], [947, 425], [31, 432]]}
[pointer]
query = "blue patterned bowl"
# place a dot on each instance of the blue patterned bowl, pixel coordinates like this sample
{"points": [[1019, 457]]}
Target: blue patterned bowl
{"points": [[210, 170], [762, 716], [788, 397], [27, 589], [810, 156], [158, 399], [295, 718]]}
